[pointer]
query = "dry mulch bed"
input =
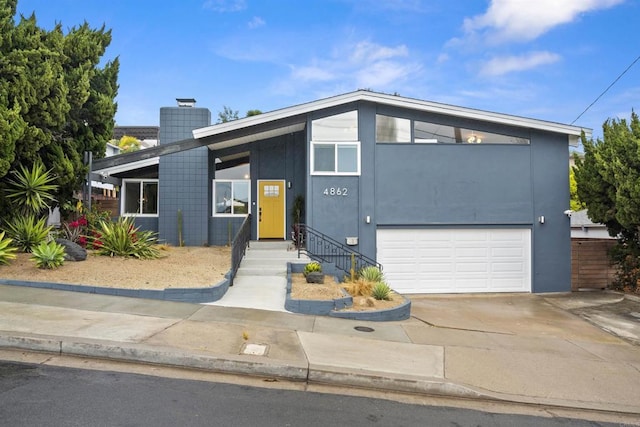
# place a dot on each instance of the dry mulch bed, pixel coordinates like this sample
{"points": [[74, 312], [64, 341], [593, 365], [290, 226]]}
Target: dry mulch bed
{"points": [[180, 267], [331, 289]]}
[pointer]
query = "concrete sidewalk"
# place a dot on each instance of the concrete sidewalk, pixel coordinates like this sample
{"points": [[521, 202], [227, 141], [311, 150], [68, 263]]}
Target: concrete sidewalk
{"points": [[516, 348]]}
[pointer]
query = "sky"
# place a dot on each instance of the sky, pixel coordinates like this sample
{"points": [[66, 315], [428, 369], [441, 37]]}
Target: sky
{"points": [[543, 59]]}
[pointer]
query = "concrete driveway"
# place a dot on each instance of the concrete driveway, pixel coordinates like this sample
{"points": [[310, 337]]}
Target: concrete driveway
{"points": [[614, 312], [528, 315]]}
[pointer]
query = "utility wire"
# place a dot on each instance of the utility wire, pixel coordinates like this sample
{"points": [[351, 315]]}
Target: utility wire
{"points": [[607, 89]]}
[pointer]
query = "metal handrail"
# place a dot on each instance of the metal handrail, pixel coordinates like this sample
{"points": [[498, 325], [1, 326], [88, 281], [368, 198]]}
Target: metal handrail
{"points": [[239, 246], [320, 247]]}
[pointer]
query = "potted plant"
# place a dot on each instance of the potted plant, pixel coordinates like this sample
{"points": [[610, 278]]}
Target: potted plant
{"points": [[313, 272]]}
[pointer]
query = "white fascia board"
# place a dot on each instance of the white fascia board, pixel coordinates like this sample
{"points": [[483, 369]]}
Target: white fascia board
{"points": [[129, 166], [392, 100]]}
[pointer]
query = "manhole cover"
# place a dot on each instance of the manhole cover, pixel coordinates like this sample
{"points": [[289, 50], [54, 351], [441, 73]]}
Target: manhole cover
{"points": [[254, 349], [363, 329]]}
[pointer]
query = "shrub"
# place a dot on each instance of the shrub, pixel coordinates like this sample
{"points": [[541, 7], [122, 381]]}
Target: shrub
{"points": [[31, 191], [312, 267], [121, 238], [28, 232], [48, 255], [627, 258], [381, 291], [359, 287], [7, 252], [372, 274]]}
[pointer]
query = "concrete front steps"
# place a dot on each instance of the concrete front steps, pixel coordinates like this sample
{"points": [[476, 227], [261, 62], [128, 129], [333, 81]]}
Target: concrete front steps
{"points": [[261, 280]]}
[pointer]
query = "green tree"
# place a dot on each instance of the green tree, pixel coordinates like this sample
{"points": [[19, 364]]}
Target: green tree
{"points": [[574, 202], [227, 115], [55, 100], [129, 144], [609, 184], [253, 113]]}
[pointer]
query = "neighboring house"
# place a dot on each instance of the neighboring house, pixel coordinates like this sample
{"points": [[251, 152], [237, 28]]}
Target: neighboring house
{"points": [[147, 135], [448, 199], [583, 228]]}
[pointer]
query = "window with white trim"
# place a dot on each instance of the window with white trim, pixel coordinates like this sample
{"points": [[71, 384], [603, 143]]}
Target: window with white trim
{"points": [[337, 158], [335, 149], [140, 197], [231, 197]]}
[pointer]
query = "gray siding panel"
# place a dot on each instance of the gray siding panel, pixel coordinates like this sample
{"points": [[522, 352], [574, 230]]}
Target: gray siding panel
{"points": [[146, 223], [453, 184], [551, 240], [184, 178]]}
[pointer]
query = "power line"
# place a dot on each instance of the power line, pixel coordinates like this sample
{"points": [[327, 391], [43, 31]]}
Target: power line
{"points": [[607, 89]]}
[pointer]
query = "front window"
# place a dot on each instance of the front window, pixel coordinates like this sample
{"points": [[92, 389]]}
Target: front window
{"points": [[140, 197], [335, 158], [335, 149], [231, 197], [392, 129], [436, 133], [339, 127]]}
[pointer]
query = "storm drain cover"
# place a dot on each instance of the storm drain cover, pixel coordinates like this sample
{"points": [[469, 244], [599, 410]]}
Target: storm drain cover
{"points": [[255, 349], [363, 329]]}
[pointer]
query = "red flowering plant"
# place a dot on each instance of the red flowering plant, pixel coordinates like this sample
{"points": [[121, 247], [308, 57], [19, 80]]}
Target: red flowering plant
{"points": [[75, 231], [84, 229]]}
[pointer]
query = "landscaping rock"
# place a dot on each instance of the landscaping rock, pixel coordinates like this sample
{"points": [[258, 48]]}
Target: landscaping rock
{"points": [[72, 250], [315, 277]]}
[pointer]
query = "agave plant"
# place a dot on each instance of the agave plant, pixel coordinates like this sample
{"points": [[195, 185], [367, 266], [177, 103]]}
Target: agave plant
{"points": [[121, 238], [7, 252], [48, 255], [28, 232], [381, 291], [312, 267], [371, 274], [31, 191]]}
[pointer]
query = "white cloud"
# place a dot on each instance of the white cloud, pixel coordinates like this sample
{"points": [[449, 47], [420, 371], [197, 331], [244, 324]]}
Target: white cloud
{"points": [[370, 52], [256, 22], [524, 20], [498, 66], [360, 65], [225, 5], [311, 73], [383, 74]]}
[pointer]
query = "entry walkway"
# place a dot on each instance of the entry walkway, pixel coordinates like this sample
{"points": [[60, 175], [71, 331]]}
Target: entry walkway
{"points": [[261, 280]]}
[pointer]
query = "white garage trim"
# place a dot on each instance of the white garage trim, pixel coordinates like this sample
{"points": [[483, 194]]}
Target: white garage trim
{"points": [[456, 260]]}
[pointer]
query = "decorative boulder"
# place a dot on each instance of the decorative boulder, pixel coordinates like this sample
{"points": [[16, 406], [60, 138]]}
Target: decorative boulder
{"points": [[72, 250], [315, 277]]}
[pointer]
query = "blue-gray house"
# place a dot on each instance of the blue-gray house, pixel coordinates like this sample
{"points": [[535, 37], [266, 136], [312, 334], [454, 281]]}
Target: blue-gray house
{"points": [[447, 199]]}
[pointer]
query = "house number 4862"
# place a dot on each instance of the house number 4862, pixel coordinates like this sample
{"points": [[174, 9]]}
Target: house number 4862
{"points": [[335, 191]]}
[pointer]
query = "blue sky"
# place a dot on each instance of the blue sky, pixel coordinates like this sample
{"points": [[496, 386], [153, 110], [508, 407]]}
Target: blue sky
{"points": [[545, 59]]}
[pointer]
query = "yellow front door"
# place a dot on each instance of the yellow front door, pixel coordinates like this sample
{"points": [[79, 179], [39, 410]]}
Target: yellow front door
{"points": [[271, 208]]}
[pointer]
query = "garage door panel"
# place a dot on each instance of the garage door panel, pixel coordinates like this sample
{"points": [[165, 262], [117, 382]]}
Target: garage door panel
{"points": [[505, 267], [471, 267], [472, 252], [456, 260]]}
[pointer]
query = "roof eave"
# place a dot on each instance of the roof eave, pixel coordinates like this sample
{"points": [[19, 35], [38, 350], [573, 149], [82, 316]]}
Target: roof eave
{"points": [[414, 104]]}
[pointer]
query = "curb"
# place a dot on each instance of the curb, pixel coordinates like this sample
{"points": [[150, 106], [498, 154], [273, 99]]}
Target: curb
{"points": [[256, 366], [240, 364], [244, 365]]}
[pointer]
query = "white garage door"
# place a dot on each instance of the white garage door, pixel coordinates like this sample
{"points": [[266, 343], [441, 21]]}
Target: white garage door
{"points": [[456, 260]]}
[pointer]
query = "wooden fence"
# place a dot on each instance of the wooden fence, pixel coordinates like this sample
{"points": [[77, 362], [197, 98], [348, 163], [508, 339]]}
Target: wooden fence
{"points": [[590, 264]]}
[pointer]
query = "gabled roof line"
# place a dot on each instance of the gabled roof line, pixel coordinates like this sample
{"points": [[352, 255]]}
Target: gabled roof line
{"points": [[392, 100]]}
